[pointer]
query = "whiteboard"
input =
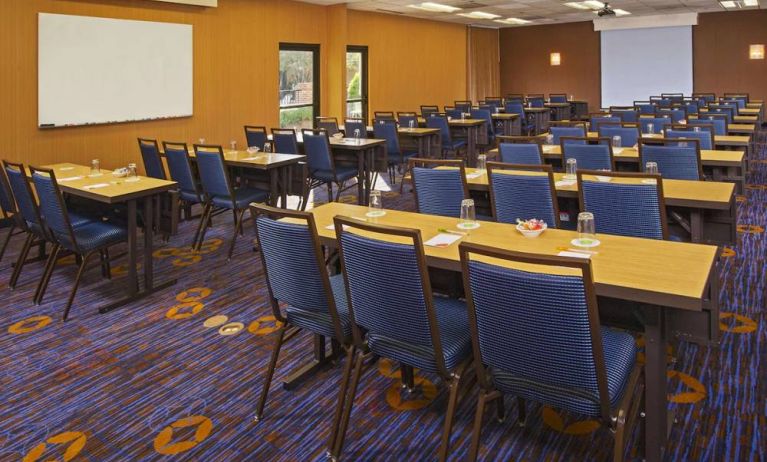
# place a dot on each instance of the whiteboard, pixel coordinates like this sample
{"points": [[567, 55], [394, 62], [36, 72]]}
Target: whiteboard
{"points": [[639, 63], [100, 70]]}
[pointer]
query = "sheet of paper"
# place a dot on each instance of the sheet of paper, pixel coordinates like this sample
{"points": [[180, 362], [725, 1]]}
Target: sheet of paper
{"points": [[442, 240], [96, 186], [565, 182], [549, 148], [565, 253], [617, 150], [71, 178], [471, 176]]}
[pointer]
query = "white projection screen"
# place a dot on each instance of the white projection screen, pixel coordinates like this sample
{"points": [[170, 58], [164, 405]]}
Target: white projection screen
{"points": [[639, 63], [100, 70]]}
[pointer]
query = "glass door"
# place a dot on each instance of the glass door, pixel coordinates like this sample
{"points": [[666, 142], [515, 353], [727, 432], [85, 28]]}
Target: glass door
{"points": [[357, 82], [299, 85]]}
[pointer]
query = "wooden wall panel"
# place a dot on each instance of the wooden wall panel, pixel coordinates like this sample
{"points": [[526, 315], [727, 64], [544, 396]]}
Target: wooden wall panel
{"points": [[720, 53], [235, 63], [411, 61], [525, 64], [484, 63]]}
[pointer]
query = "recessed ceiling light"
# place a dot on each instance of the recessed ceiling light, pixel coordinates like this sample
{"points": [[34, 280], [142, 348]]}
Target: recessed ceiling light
{"points": [[751, 2], [729, 4], [435, 7], [514, 21], [620, 12], [479, 15], [594, 4], [577, 5]]}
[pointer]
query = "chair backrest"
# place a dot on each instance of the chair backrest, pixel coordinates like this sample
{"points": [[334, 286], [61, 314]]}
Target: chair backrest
{"points": [[150, 154], [487, 116], [22, 192], [426, 110], [596, 120], [692, 106], [285, 141], [705, 134], [536, 100], [737, 102], [515, 107], [353, 126], [317, 149], [453, 113], [180, 167], [329, 124], [293, 262], [626, 115], [727, 109], [719, 121], [53, 207], [629, 135], [495, 101], [656, 123], [740, 96], [522, 192], [388, 287], [675, 114], [384, 115], [438, 191], [464, 106], [7, 202], [644, 108], [521, 153], [589, 156], [213, 172], [557, 98], [404, 119], [256, 136], [707, 97], [440, 122], [675, 161], [507, 307], [515, 97], [387, 130], [626, 208], [559, 132]]}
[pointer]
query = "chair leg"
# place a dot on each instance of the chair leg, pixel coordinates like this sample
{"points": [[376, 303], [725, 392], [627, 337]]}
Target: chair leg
{"points": [[270, 373], [408, 378], [335, 452], [80, 271], [237, 230], [476, 433], [521, 411], [199, 226], [500, 410], [50, 265], [330, 192], [351, 351], [204, 223], [107, 264], [20, 261], [449, 417], [7, 240]]}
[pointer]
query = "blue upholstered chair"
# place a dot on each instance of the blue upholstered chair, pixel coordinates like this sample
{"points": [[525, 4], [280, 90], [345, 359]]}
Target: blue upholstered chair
{"points": [[426, 111], [658, 124], [387, 130], [629, 135], [384, 115], [644, 107], [150, 154], [9, 211], [675, 160], [390, 299], [521, 153], [705, 134], [515, 98], [453, 113], [285, 141], [522, 192], [83, 239], [692, 106], [719, 121], [321, 164], [737, 103], [404, 119], [557, 98], [635, 209], [627, 114], [705, 97], [516, 107], [588, 155], [464, 106], [256, 137], [536, 335], [438, 191], [495, 101], [727, 110], [487, 116], [536, 100], [448, 143], [596, 120], [676, 114], [219, 193], [558, 132], [180, 168], [296, 277], [329, 124], [353, 126]]}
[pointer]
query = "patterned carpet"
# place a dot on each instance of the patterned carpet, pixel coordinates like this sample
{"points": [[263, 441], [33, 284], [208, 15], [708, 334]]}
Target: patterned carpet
{"points": [[151, 382]]}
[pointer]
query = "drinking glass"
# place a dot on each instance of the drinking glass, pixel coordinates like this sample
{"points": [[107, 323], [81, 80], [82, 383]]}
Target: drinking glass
{"points": [[549, 139], [233, 145], [482, 163], [375, 205], [586, 229], [463, 115], [696, 129], [651, 168], [468, 218], [357, 135], [617, 141], [132, 173], [201, 140], [95, 167], [571, 97], [411, 124], [267, 147], [570, 168], [651, 128]]}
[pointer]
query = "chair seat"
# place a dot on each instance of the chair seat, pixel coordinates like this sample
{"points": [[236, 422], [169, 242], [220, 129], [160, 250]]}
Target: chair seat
{"points": [[320, 322], [620, 356], [342, 173], [242, 198], [95, 235], [189, 196], [77, 220], [454, 334]]}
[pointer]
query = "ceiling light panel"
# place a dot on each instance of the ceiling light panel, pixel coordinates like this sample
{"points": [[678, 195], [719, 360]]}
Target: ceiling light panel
{"points": [[513, 21], [479, 15], [434, 7]]}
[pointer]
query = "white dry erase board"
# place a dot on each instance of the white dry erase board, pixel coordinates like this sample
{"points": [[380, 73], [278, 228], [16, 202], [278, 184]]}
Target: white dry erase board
{"points": [[102, 70]]}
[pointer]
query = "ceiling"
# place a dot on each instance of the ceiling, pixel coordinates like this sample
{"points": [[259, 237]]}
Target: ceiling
{"points": [[536, 11]]}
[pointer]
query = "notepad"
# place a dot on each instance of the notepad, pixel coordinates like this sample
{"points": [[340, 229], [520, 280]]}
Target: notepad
{"points": [[442, 240], [96, 186], [565, 253], [549, 148], [71, 178], [565, 182], [617, 150], [471, 176]]}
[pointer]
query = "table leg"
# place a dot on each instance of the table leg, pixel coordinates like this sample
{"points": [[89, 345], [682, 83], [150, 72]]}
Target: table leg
{"points": [[273, 187], [148, 237], [132, 257], [285, 180], [696, 225], [361, 174], [656, 405], [471, 154]]}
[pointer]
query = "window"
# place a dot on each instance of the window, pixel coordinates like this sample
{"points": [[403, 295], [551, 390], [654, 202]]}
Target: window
{"points": [[299, 85], [357, 82]]}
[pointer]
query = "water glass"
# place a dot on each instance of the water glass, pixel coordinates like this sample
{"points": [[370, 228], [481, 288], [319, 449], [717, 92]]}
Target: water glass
{"points": [[586, 229], [357, 135], [652, 169], [651, 128], [95, 167], [570, 168], [617, 141], [468, 218], [549, 139], [696, 129], [411, 124], [132, 173], [571, 97], [267, 147], [375, 205], [233, 145], [482, 163], [201, 140], [463, 116]]}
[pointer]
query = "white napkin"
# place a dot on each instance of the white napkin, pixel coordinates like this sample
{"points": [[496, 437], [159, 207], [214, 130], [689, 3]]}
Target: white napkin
{"points": [[565, 182], [96, 186], [471, 176], [442, 240], [549, 148], [565, 253], [71, 178], [63, 169], [617, 150], [252, 158]]}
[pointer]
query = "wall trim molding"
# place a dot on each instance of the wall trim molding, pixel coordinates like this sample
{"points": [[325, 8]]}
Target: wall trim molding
{"points": [[644, 22], [207, 3]]}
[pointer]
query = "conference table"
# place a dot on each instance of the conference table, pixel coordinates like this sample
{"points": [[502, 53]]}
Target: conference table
{"points": [[426, 140], [559, 111], [507, 124], [710, 204], [672, 284], [76, 180]]}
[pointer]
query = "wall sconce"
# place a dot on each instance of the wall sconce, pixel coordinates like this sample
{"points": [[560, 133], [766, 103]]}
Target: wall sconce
{"points": [[756, 51], [556, 59]]}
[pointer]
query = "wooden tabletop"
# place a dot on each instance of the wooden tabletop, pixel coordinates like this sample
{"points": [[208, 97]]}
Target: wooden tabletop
{"points": [[666, 273], [719, 140], [76, 180], [504, 116], [680, 193], [258, 160], [466, 122], [417, 132], [557, 104], [354, 144]]}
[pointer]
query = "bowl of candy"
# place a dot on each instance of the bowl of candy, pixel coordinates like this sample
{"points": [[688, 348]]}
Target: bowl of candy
{"points": [[531, 228]]}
